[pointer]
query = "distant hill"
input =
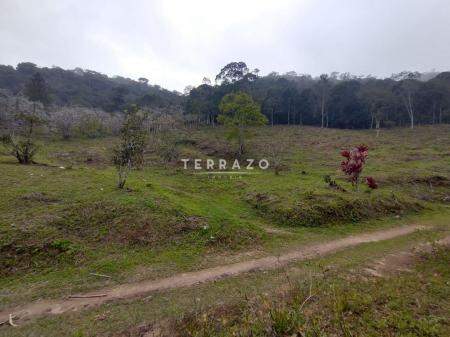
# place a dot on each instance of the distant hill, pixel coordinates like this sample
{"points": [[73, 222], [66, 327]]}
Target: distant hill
{"points": [[338, 100], [90, 88]]}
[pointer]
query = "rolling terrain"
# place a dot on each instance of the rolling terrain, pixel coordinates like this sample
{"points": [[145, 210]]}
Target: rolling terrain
{"points": [[66, 230]]}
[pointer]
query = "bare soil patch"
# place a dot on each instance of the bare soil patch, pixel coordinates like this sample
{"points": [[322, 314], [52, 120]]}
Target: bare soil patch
{"points": [[402, 261]]}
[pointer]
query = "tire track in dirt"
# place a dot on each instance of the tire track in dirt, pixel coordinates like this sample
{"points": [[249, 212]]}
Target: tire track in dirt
{"points": [[131, 290]]}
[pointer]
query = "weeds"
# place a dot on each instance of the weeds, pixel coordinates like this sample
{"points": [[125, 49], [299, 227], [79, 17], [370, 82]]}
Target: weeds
{"points": [[313, 211], [342, 308]]}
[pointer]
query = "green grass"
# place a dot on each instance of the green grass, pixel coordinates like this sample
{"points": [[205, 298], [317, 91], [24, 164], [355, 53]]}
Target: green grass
{"points": [[217, 309], [408, 304], [58, 225]]}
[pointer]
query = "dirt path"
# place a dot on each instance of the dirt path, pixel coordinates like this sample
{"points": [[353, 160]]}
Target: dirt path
{"points": [[130, 290], [403, 261]]}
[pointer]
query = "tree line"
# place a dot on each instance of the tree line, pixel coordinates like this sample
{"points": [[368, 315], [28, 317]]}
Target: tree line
{"points": [[330, 100], [87, 88]]}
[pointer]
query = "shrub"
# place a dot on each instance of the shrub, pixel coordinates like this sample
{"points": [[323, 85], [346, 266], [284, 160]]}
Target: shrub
{"points": [[370, 181], [130, 152], [332, 183], [275, 151], [354, 163], [311, 213], [169, 152], [23, 148], [91, 126]]}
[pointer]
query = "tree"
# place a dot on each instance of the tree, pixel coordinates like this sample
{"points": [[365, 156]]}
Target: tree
{"points": [[442, 88], [238, 111], [289, 99], [206, 81], [232, 72], [143, 80], [270, 104], [36, 90], [118, 101], [129, 153], [23, 148], [187, 90], [432, 99], [26, 68], [407, 89], [324, 88], [275, 151], [202, 104], [378, 98], [64, 120], [290, 73], [345, 106], [306, 105]]}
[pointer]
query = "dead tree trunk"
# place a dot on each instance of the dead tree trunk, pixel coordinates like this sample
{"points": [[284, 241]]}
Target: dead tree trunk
{"points": [[322, 109]]}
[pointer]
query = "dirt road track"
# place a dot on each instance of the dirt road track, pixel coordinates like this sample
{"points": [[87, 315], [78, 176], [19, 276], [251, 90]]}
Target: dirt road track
{"points": [[130, 290]]}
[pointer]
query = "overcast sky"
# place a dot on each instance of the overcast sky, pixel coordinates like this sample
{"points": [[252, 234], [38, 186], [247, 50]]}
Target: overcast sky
{"points": [[175, 43]]}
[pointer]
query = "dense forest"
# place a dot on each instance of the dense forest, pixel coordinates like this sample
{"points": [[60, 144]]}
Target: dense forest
{"points": [[336, 100], [88, 88]]}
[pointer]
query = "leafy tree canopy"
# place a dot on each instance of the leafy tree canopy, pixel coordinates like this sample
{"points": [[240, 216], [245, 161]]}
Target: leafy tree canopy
{"points": [[239, 109]]}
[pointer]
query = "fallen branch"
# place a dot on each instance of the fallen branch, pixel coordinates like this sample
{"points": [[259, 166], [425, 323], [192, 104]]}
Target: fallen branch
{"points": [[88, 296], [11, 321]]}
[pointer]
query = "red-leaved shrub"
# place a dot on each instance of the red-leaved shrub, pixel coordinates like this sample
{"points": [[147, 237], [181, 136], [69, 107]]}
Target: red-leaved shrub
{"points": [[371, 183], [354, 163]]}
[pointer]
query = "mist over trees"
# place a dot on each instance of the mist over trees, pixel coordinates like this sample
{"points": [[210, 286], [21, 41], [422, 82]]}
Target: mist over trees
{"points": [[79, 87], [330, 100], [84, 99]]}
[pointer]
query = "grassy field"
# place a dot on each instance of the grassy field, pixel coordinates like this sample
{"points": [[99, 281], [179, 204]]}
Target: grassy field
{"points": [[244, 303], [413, 303], [63, 220]]}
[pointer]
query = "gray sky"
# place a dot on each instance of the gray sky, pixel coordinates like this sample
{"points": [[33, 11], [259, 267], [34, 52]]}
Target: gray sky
{"points": [[176, 42]]}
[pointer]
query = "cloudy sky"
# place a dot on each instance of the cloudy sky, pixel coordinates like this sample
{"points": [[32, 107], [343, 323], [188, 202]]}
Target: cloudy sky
{"points": [[175, 43]]}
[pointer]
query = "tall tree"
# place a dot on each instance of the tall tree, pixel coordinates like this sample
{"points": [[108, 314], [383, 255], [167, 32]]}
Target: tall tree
{"points": [[432, 100], [202, 103], [143, 80], [118, 100], [324, 90], [378, 98], [232, 72], [187, 90], [407, 89], [306, 106], [36, 90], [346, 108], [289, 99], [271, 104], [206, 81]]}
